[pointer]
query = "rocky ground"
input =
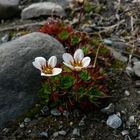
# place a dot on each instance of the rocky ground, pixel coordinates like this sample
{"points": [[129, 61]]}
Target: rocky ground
{"points": [[117, 118]]}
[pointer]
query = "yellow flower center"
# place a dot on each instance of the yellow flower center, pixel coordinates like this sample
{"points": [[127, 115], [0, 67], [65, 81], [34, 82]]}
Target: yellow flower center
{"points": [[76, 63], [47, 69]]}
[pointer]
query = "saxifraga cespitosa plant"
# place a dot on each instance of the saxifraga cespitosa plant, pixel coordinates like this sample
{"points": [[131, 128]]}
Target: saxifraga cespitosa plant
{"points": [[76, 83], [64, 33]]}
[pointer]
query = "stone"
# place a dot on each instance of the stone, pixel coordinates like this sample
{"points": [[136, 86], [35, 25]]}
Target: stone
{"points": [[131, 119], [136, 68], [82, 121], [62, 132], [107, 42], [66, 113], [42, 9], [76, 132], [45, 110], [5, 38], [19, 80], [8, 8], [125, 132], [127, 93], [26, 120], [109, 109], [118, 44], [21, 125], [114, 121], [44, 134], [134, 132], [63, 3], [55, 112], [55, 134], [117, 55]]}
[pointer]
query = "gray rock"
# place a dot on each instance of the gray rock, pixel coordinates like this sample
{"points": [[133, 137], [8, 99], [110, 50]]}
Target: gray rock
{"points": [[26, 120], [82, 121], [109, 109], [55, 112], [44, 134], [66, 113], [127, 93], [45, 110], [118, 55], [114, 121], [62, 132], [136, 68], [107, 42], [134, 132], [132, 119], [76, 132], [55, 134], [8, 8], [125, 132], [21, 125], [88, 30], [63, 3], [118, 44], [19, 80], [5, 38], [42, 9]]}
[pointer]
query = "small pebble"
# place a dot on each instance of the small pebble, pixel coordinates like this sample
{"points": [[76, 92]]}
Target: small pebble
{"points": [[76, 132], [55, 134], [71, 123], [108, 41], [62, 132], [73, 139], [134, 132], [45, 110], [114, 121], [55, 112], [139, 127], [131, 119], [44, 134], [5, 38], [26, 120], [137, 83], [21, 125], [125, 132], [66, 113], [127, 93], [109, 109]]}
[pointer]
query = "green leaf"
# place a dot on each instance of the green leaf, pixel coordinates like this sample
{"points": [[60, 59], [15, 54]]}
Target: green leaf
{"points": [[74, 40], [66, 81], [84, 75], [63, 35], [94, 91]]}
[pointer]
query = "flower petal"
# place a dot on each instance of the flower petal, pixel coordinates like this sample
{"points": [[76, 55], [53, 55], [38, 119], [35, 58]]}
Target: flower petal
{"points": [[43, 74], [41, 61], [52, 61], [86, 61], [56, 71], [68, 65], [36, 65], [78, 55], [67, 58]]}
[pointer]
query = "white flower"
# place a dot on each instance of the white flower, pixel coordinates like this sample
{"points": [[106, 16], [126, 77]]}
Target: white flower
{"points": [[77, 62], [47, 68]]}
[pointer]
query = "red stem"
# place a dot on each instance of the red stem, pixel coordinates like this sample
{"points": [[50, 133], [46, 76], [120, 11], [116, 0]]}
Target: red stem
{"points": [[80, 16]]}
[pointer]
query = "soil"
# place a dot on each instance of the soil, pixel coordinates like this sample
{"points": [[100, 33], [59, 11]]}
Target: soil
{"points": [[118, 81]]}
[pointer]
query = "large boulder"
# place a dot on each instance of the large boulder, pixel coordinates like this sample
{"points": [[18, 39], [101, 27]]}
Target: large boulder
{"points": [[8, 8], [42, 9], [19, 80]]}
